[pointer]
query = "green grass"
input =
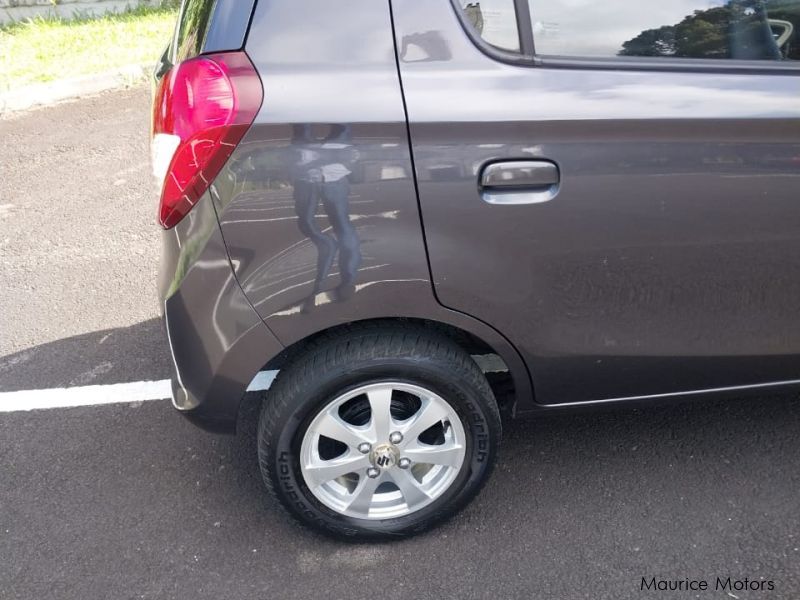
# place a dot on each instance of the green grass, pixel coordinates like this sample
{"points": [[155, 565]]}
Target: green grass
{"points": [[44, 49]]}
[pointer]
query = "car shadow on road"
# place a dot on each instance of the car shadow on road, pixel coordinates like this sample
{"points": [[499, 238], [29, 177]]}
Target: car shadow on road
{"points": [[724, 462], [690, 488], [124, 354], [668, 464]]}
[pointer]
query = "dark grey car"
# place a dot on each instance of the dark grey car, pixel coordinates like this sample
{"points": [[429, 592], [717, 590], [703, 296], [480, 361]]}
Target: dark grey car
{"points": [[425, 213]]}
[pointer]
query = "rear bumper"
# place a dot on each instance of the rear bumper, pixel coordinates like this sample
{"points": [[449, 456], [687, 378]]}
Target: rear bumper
{"points": [[217, 340]]}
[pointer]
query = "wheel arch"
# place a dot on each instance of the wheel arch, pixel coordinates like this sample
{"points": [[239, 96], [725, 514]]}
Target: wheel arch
{"points": [[509, 377]]}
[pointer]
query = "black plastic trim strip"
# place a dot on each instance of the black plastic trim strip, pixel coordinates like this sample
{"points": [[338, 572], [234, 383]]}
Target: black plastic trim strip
{"points": [[689, 65], [505, 56], [525, 28], [735, 390], [228, 26]]}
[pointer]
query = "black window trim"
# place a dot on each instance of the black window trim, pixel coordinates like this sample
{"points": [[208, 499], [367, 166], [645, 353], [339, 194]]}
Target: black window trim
{"points": [[226, 31], [525, 27], [528, 57]]}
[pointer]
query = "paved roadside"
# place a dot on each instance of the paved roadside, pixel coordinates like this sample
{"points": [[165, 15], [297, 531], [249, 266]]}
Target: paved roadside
{"points": [[78, 245], [131, 501]]}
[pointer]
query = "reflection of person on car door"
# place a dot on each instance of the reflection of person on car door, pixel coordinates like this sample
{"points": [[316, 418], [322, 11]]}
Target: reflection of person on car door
{"points": [[321, 174]]}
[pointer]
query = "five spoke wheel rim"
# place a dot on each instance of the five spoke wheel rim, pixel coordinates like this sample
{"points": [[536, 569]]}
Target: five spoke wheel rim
{"points": [[383, 469]]}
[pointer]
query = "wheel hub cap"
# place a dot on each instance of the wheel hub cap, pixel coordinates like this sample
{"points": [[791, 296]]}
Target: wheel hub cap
{"points": [[385, 456]]}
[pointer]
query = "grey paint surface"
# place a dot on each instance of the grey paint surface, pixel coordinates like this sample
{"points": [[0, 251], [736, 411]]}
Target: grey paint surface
{"points": [[218, 341], [324, 180], [308, 254], [311, 247], [668, 260], [663, 261]]}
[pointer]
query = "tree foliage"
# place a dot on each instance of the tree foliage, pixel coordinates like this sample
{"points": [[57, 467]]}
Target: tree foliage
{"points": [[737, 29]]}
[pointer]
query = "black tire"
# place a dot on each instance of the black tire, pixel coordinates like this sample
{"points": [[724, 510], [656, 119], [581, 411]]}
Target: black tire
{"points": [[370, 354]]}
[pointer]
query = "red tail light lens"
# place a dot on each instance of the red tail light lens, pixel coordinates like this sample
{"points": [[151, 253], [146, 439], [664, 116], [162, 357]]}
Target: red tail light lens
{"points": [[201, 111]]}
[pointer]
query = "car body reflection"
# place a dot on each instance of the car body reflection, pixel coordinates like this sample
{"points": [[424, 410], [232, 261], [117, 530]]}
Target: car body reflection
{"points": [[321, 174]]}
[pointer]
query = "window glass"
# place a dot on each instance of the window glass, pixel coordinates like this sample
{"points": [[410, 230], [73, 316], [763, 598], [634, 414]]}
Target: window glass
{"points": [[734, 29], [192, 25], [494, 20]]}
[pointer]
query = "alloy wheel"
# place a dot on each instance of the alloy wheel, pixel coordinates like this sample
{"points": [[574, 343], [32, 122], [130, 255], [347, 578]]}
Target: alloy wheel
{"points": [[382, 450]]}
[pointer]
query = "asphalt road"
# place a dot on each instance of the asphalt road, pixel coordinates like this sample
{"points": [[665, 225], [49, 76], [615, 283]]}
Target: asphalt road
{"points": [[131, 501]]}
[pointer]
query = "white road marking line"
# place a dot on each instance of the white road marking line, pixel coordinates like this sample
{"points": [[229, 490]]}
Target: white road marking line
{"points": [[96, 395], [143, 391], [86, 395]]}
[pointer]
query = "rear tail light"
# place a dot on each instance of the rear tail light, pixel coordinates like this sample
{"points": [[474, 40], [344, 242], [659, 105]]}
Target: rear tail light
{"points": [[201, 111]]}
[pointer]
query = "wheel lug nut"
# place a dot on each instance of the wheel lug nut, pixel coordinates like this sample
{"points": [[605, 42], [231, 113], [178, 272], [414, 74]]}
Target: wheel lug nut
{"points": [[364, 447], [404, 463], [372, 472], [396, 437]]}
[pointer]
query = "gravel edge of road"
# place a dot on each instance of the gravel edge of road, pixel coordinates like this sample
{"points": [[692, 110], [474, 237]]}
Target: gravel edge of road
{"points": [[45, 94]]}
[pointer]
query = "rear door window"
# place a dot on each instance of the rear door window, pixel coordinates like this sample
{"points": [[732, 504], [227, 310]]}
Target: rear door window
{"points": [[495, 21], [707, 29], [765, 30]]}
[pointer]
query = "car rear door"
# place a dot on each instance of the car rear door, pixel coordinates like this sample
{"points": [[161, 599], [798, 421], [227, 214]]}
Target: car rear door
{"points": [[630, 221]]}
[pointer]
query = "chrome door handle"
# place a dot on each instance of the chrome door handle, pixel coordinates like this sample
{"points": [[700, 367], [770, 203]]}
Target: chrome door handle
{"points": [[519, 182]]}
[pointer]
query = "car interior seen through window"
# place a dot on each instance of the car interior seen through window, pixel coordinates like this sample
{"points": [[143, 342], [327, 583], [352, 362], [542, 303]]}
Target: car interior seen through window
{"points": [[704, 29], [495, 21]]}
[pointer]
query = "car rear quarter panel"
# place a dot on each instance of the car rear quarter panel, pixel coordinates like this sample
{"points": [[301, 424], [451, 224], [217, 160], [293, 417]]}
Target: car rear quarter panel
{"points": [[317, 205], [215, 336]]}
